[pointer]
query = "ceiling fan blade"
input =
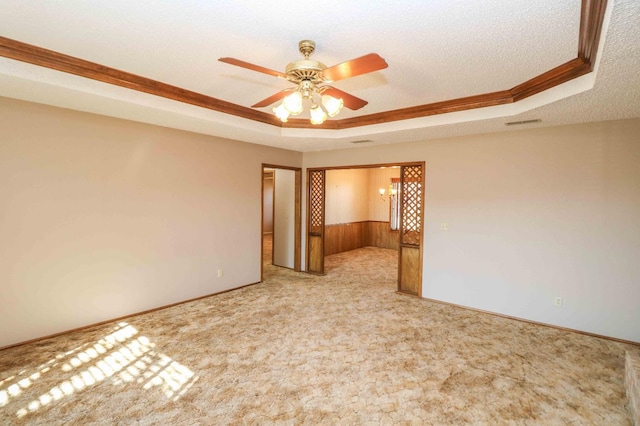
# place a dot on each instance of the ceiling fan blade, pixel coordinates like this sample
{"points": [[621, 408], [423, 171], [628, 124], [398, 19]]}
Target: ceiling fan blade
{"points": [[247, 65], [271, 99], [362, 65], [350, 101]]}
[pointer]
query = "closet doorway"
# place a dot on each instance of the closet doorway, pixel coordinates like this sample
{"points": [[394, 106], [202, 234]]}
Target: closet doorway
{"points": [[281, 217]]}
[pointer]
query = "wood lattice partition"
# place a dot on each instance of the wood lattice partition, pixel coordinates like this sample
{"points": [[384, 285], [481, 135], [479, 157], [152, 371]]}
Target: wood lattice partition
{"points": [[315, 224], [411, 208], [411, 211], [411, 205]]}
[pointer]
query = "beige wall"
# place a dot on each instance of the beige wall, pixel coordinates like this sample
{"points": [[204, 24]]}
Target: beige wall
{"points": [[380, 207], [532, 215], [352, 194], [347, 198], [102, 217]]}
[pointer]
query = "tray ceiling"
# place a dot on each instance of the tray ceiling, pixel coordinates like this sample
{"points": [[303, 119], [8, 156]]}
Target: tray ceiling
{"points": [[437, 51]]}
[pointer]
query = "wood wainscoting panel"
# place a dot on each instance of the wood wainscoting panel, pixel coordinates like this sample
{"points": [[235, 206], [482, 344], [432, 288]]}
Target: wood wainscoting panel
{"points": [[350, 236], [379, 234], [344, 237]]}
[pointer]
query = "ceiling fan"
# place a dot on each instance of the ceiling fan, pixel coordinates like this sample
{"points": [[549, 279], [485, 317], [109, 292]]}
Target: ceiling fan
{"points": [[310, 78]]}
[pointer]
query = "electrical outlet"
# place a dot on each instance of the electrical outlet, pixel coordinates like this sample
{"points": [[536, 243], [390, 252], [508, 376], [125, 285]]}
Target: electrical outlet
{"points": [[220, 273], [557, 301], [444, 226]]}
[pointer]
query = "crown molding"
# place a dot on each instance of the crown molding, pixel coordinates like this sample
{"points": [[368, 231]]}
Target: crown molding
{"points": [[591, 20]]}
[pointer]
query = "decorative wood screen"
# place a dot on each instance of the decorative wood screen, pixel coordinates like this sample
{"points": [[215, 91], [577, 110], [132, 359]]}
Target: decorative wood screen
{"points": [[411, 205], [315, 224], [410, 256], [316, 201]]}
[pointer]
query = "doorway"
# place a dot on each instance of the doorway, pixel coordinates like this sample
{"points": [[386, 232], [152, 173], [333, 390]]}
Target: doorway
{"points": [[281, 217], [410, 211]]}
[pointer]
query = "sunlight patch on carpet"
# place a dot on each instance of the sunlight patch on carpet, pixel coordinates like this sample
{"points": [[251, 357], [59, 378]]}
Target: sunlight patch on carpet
{"points": [[121, 357]]}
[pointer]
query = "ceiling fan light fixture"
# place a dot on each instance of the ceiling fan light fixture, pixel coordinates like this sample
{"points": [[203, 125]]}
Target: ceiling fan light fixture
{"points": [[318, 116], [332, 105], [281, 112], [293, 103], [310, 76]]}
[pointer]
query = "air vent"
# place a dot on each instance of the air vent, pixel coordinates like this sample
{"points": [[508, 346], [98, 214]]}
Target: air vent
{"points": [[363, 141], [517, 123]]}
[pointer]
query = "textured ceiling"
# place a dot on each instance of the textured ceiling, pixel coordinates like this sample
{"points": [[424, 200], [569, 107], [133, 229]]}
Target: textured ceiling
{"points": [[436, 51]]}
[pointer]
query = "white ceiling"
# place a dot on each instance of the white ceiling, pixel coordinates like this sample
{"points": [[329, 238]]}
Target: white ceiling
{"points": [[436, 50]]}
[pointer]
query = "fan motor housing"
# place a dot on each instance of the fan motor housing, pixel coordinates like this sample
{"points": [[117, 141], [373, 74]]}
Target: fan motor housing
{"points": [[306, 69]]}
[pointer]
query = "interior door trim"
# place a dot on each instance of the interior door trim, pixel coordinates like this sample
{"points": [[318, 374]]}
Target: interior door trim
{"points": [[297, 214], [371, 166]]}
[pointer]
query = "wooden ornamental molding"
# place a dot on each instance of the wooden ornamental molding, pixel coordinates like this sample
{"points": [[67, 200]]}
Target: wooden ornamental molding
{"points": [[24, 52], [591, 21]]}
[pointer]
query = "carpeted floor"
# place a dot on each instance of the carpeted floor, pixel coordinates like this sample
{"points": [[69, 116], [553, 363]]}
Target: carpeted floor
{"points": [[301, 349]]}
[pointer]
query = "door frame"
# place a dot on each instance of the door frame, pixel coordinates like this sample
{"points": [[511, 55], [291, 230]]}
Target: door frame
{"points": [[365, 166], [297, 214]]}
